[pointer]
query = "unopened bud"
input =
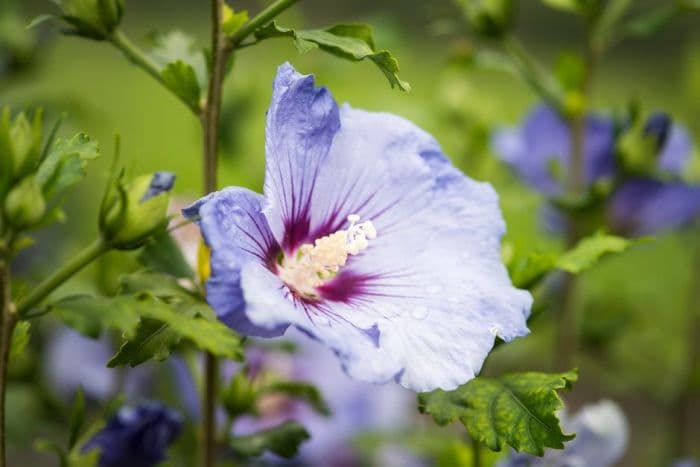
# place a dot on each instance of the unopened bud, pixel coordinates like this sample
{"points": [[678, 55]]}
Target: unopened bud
{"points": [[25, 205], [137, 211], [92, 18]]}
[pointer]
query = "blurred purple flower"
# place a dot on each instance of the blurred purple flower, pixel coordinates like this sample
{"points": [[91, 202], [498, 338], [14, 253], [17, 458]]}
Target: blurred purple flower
{"points": [[73, 361], [601, 440], [136, 437], [355, 406], [367, 239], [640, 205]]}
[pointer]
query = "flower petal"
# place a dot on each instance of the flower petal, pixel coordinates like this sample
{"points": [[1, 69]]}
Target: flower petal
{"points": [[425, 301], [237, 233], [301, 123], [645, 206], [676, 151]]}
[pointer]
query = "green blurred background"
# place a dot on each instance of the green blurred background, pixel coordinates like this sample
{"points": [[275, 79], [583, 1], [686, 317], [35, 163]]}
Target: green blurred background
{"points": [[633, 307]]}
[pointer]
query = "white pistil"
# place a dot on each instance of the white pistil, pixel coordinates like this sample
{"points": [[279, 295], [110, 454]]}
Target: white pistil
{"points": [[312, 265]]}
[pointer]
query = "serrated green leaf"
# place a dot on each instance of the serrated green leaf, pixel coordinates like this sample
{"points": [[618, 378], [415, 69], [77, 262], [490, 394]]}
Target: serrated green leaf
{"points": [[181, 79], [77, 417], [591, 249], [160, 285], [212, 336], [91, 315], [283, 440], [153, 340], [302, 391], [65, 164], [162, 254], [232, 21], [20, 338], [350, 41], [518, 409]]}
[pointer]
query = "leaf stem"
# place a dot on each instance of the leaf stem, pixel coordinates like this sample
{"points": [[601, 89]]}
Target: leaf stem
{"points": [[8, 320], [533, 72], [262, 18], [72, 266], [210, 135], [141, 60]]}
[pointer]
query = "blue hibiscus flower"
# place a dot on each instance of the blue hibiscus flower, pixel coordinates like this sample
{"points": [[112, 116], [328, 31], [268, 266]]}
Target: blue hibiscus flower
{"points": [[641, 205], [136, 437], [367, 239]]}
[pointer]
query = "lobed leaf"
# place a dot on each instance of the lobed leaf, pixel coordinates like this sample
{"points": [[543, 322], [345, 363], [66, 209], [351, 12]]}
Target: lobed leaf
{"points": [[283, 440], [163, 255], [181, 79], [350, 41], [65, 164], [91, 315], [518, 409], [590, 250]]}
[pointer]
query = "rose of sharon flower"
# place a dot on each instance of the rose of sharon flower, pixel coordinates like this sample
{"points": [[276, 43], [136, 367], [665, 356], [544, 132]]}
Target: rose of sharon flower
{"points": [[367, 239], [136, 437], [601, 439], [642, 205]]}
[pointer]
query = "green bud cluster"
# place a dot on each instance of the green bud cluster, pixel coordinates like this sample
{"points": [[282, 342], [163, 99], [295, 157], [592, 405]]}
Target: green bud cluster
{"points": [[23, 202]]}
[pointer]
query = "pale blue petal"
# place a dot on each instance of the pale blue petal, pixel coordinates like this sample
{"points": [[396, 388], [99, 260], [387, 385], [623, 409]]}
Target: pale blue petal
{"points": [[237, 233]]}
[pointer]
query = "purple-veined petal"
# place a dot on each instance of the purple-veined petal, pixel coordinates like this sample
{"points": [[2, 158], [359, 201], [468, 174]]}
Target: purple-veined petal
{"points": [[301, 123], [647, 206], [424, 302], [237, 233]]}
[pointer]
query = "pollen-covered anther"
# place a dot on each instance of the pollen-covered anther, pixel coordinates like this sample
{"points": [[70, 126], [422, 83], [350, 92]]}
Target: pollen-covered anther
{"points": [[311, 265]]}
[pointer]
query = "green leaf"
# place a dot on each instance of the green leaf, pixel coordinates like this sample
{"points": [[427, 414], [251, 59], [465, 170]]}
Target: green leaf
{"points": [[350, 41], [65, 164], [302, 391], [90, 316], [526, 270], [232, 21], [20, 338], [607, 23], [283, 440], [162, 254], [48, 446], [177, 46], [90, 459], [153, 340], [650, 22], [591, 249], [77, 417], [518, 409], [182, 81]]}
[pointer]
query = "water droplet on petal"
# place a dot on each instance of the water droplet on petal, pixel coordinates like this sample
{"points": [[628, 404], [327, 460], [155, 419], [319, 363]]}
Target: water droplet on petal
{"points": [[419, 312]]}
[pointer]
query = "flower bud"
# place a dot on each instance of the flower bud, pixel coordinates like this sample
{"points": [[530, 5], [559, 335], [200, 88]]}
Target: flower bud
{"points": [[20, 144], [25, 205], [239, 397], [92, 18], [490, 18], [133, 213]]}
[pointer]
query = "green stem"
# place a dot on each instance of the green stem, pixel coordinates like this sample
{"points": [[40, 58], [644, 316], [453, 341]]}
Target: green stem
{"points": [[533, 72], [262, 18], [141, 60], [72, 266], [567, 339], [210, 132], [8, 319]]}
